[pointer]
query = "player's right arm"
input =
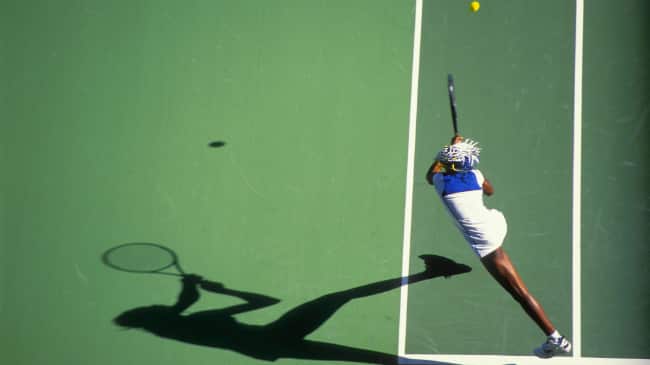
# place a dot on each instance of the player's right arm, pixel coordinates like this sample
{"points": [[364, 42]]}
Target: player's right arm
{"points": [[437, 166], [189, 293]]}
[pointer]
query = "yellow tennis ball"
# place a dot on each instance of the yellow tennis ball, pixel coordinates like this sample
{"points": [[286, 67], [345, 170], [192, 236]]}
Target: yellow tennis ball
{"points": [[474, 6]]}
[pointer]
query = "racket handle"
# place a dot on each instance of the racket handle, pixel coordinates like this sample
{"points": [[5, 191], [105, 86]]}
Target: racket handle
{"points": [[192, 278]]}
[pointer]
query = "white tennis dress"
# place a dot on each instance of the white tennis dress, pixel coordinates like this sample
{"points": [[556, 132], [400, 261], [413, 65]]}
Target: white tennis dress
{"points": [[462, 193]]}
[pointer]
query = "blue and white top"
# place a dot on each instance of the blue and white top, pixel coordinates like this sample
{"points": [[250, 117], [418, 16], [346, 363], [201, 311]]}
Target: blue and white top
{"points": [[462, 194], [459, 182]]}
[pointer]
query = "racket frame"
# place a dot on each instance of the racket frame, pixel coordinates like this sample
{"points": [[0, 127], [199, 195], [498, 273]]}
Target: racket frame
{"points": [[451, 88], [174, 260]]}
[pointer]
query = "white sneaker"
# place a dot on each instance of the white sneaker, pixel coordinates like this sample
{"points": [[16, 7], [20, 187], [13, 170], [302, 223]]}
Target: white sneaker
{"points": [[553, 347]]}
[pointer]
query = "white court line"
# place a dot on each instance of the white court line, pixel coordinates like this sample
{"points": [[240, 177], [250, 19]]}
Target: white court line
{"points": [[516, 360], [577, 181], [576, 358], [410, 164]]}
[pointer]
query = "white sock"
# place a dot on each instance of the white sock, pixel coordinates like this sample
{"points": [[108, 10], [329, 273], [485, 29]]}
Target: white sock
{"points": [[555, 335]]}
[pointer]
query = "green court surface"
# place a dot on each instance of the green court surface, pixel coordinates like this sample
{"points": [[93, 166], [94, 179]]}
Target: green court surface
{"points": [[109, 111]]}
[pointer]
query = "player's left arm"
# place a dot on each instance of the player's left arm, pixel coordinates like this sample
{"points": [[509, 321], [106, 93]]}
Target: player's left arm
{"points": [[488, 189], [253, 300]]}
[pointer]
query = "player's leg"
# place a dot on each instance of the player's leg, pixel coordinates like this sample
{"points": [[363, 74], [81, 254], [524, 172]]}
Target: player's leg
{"points": [[306, 318], [498, 264]]}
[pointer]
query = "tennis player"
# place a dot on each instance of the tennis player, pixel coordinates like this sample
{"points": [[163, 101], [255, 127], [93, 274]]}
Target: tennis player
{"points": [[461, 187]]}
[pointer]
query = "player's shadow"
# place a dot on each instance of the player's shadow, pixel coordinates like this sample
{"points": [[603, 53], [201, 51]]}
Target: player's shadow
{"points": [[282, 338]]}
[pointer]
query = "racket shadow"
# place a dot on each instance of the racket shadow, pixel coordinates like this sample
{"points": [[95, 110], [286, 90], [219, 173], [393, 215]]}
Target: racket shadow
{"points": [[282, 338]]}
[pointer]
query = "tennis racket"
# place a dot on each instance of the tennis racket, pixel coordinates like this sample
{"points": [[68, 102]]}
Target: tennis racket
{"points": [[452, 101], [143, 258]]}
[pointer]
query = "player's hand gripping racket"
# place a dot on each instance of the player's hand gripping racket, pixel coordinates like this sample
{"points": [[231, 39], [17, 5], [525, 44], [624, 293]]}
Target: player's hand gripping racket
{"points": [[143, 257], [452, 101]]}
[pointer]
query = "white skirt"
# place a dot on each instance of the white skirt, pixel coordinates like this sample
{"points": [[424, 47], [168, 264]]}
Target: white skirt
{"points": [[486, 235]]}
